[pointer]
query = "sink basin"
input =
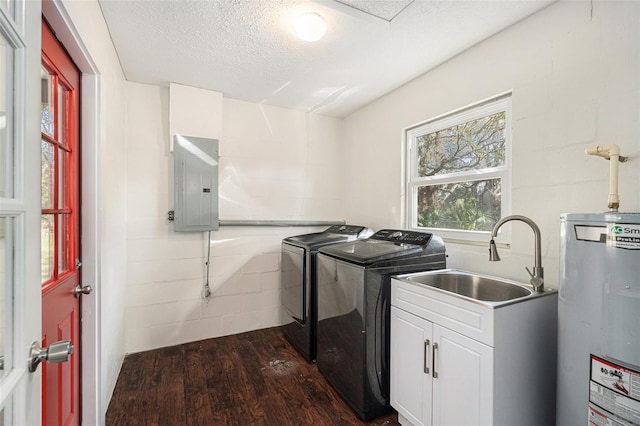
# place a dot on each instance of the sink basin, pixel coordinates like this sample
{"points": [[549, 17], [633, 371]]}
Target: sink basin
{"points": [[471, 285]]}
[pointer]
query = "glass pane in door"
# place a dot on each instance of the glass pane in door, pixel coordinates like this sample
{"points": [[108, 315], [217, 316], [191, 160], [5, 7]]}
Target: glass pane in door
{"points": [[6, 414], [6, 114], [46, 103], [48, 161], [3, 283], [48, 238], [63, 165], [63, 243], [6, 280], [61, 116]]}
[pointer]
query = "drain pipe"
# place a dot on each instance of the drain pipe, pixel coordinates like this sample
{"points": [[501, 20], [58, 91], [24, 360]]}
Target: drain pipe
{"points": [[612, 153]]}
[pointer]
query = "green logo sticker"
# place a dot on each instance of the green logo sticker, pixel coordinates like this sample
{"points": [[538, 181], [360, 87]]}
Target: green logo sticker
{"points": [[617, 229]]}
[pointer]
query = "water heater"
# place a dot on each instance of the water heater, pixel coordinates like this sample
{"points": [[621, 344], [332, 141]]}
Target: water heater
{"points": [[599, 320]]}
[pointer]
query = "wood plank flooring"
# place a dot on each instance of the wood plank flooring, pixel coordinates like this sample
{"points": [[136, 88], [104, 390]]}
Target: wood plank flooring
{"points": [[254, 378]]}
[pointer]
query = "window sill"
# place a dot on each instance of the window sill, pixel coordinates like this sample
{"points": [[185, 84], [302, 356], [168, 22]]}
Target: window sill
{"points": [[473, 243], [468, 238]]}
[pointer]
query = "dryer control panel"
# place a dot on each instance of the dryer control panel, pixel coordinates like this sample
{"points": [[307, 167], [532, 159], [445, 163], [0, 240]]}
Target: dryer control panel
{"points": [[401, 236]]}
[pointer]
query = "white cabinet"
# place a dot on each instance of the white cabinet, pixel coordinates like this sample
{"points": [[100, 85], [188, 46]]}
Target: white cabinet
{"points": [[432, 363], [410, 366], [456, 362], [463, 369]]}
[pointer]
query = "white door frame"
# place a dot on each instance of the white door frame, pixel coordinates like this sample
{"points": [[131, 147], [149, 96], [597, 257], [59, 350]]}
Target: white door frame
{"points": [[20, 391], [94, 398]]}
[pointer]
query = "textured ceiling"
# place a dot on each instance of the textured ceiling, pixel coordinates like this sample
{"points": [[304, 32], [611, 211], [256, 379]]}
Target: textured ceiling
{"points": [[246, 48], [383, 9]]}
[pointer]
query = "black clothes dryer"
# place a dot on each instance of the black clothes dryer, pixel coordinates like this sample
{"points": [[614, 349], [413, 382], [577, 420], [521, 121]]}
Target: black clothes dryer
{"points": [[354, 291], [298, 289]]}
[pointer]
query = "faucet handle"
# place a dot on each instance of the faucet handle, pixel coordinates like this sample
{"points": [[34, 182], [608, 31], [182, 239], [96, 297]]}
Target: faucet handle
{"points": [[530, 273], [536, 281]]}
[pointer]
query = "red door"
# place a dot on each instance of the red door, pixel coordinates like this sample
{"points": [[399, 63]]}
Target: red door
{"points": [[60, 223]]}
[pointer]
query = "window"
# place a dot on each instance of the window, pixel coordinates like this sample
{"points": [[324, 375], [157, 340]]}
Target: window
{"points": [[59, 140], [458, 171]]}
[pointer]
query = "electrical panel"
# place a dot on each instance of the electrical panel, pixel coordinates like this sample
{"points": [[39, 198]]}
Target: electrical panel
{"points": [[195, 184]]}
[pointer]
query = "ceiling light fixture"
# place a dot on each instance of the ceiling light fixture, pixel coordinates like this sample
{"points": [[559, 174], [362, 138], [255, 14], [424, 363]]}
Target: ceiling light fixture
{"points": [[310, 26]]}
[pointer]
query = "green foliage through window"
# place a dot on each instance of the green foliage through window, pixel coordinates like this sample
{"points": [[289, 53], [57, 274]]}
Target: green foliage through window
{"points": [[471, 205], [459, 170]]}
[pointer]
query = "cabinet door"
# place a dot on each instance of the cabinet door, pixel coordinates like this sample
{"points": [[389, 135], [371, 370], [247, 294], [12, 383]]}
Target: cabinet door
{"points": [[411, 366], [463, 388]]}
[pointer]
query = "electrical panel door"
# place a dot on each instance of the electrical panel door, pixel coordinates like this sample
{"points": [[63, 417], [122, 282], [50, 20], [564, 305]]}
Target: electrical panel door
{"points": [[196, 184]]}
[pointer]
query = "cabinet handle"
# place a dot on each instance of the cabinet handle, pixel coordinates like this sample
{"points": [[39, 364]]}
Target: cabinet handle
{"points": [[426, 356], [433, 360]]}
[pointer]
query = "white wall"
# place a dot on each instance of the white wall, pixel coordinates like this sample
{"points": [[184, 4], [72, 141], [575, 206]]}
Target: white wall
{"points": [[275, 164], [574, 71]]}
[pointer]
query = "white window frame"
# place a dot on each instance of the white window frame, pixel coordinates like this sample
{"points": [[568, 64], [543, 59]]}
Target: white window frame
{"points": [[412, 181]]}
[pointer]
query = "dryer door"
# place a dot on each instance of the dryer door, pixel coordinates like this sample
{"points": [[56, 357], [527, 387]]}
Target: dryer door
{"points": [[293, 282]]}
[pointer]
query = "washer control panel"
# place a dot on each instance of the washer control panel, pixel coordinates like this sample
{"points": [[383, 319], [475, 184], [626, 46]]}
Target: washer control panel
{"points": [[400, 236], [349, 230]]}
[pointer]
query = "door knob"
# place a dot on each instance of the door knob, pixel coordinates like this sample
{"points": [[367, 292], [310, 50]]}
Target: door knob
{"points": [[87, 289], [56, 352]]}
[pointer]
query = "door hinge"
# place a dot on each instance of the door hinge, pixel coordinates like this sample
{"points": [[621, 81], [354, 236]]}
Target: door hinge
{"points": [[78, 263]]}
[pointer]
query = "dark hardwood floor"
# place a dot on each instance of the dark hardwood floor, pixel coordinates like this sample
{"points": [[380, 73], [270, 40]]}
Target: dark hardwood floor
{"points": [[254, 378]]}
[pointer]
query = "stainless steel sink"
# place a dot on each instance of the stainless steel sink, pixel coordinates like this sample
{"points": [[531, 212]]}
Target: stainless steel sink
{"points": [[475, 286]]}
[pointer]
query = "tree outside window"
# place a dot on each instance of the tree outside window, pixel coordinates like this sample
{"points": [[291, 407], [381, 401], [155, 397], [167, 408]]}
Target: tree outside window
{"points": [[459, 169]]}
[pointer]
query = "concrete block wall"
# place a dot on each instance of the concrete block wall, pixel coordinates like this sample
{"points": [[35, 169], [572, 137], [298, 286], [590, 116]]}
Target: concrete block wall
{"points": [[275, 164], [166, 305], [573, 70]]}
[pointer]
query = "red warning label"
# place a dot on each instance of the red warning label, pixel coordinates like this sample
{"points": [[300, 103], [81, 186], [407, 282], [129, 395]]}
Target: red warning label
{"points": [[614, 394]]}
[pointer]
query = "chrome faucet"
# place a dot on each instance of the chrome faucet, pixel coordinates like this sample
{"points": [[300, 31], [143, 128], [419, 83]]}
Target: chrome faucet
{"points": [[537, 277]]}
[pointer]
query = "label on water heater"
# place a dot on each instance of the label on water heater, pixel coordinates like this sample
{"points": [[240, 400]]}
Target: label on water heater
{"points": [[623, 236], [614, 394]]}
